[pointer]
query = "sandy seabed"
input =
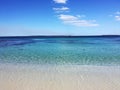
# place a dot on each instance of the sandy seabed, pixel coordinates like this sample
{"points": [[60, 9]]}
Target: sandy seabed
{"points": [[59, 77]]}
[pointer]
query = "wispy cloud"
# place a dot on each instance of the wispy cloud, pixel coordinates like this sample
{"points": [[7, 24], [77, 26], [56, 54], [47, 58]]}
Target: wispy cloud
{"points": [[117, 18], [118, 12], [70, 19], [62, 9], [60, 1], [116, 15], [76, 21]]}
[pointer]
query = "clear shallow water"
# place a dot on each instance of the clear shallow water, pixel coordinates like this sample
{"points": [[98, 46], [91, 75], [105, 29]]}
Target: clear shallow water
{"points": [[80, 51]]}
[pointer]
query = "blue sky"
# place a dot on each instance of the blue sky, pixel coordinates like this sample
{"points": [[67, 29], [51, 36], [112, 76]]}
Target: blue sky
{"points": [[59, 17]]}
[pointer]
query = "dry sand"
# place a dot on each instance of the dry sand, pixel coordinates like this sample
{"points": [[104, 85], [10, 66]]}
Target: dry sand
{"points": [[71, 77]]}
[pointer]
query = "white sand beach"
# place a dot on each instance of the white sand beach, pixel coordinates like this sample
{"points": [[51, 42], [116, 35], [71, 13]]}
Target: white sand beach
{"points": [[71, 77]]}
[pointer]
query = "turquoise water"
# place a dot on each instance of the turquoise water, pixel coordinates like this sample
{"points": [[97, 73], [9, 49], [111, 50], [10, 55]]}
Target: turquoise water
{"points": [[60, 51]]}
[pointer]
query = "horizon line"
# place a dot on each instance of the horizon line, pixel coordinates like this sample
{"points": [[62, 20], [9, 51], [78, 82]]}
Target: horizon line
{"points": [[60, 36]]}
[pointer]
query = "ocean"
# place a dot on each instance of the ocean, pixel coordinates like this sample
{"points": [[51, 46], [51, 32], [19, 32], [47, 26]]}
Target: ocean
{"points": [[100, 51], [60, 63]]}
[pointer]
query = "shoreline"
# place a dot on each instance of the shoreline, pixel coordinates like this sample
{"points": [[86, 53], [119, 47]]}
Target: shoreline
{"points": [[61, 77]]}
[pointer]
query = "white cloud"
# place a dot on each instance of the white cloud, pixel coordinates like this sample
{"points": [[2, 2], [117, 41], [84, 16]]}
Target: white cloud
{"points": [[80, 16], [76, 21], [60, 1], [117, 18], [62, 9], [118, 12]]}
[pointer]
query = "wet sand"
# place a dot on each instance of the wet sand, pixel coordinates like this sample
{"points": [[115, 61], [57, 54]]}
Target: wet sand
{"points": [[69, 77]]}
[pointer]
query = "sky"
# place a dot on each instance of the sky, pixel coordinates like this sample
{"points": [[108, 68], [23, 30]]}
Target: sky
{"points": [[59, 17]]}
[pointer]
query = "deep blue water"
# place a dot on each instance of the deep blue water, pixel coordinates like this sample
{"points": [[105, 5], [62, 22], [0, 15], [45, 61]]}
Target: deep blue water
{"points": [[80, 50]]}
